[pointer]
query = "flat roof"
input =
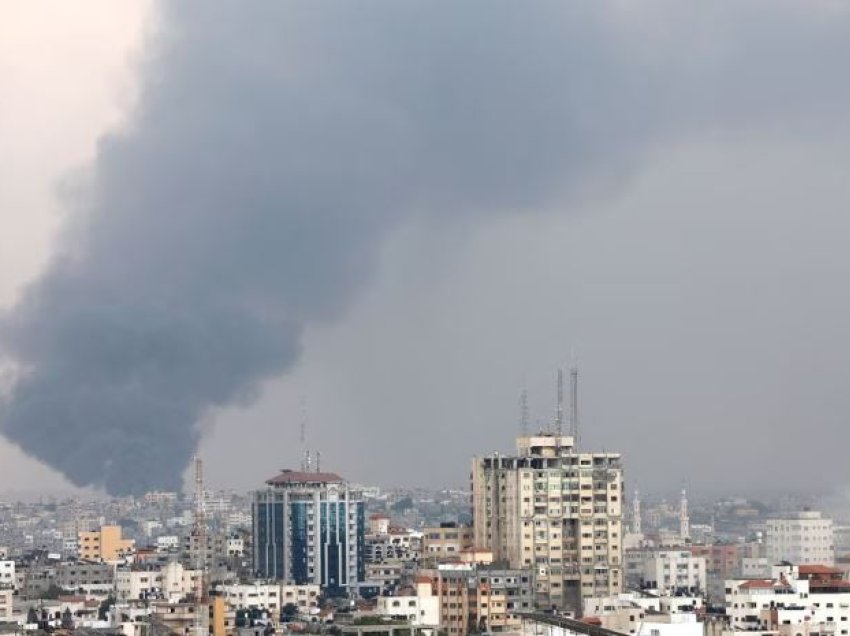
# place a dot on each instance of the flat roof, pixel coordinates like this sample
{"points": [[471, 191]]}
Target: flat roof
{"points": [[287, 476]]}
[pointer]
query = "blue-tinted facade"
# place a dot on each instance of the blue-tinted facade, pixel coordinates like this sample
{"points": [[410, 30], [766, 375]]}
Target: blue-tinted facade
{"points": [[310, 530]]}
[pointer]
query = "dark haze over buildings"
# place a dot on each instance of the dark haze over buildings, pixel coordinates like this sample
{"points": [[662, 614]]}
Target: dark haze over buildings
{"points": [[275, 147]]}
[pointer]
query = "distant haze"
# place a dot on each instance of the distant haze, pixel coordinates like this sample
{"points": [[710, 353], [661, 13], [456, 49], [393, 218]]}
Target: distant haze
{"points": [[407, 210]]}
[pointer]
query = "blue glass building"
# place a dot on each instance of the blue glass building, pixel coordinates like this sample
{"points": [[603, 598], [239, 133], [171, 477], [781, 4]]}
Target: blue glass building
{"points": [[308, 528]]}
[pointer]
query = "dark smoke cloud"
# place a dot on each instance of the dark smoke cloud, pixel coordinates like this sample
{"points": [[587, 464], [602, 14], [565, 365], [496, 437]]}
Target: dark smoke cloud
{"points": [[275, 146]]}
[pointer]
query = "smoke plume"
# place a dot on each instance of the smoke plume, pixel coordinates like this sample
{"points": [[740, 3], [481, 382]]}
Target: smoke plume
{"points": [[274, 147]]}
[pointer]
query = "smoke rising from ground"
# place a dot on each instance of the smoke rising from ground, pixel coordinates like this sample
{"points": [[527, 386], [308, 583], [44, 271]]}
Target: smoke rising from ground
{"points": [[276, 145]]}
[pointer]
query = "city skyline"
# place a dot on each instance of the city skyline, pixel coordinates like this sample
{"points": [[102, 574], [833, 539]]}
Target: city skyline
{"points": [[696, 270]]}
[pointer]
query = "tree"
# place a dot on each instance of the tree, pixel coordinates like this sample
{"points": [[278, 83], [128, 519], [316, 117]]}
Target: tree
{"points": [[53, 592], [108, 602], [289, 611], [32, 616], [406, 503], [67, 619]]}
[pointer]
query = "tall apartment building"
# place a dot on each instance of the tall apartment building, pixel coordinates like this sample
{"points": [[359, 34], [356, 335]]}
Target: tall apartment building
{"points": [[105, 544], [557, 511], [308, 528], [802, 538]]}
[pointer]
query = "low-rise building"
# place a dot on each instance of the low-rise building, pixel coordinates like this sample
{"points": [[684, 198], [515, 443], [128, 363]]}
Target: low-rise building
{"points": [[418, 606], [171, 582], [805, 595], [262, 596], [446, 541], [673, 571], [479, 597], [642, 614], [6, 604], [168, 543], [7, 574], [105, 544], [304, 597], [179, 618], [386, 577], [87, 578]]}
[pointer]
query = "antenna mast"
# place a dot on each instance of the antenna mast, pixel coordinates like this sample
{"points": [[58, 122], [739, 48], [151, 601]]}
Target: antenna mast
{"points": [[302, 414], [524, 413], [559, 404], [574, 403], [200, 532]]}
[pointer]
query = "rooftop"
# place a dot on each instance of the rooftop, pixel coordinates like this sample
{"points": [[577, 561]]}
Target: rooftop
{"points": [[819, 569], [295, 476]]}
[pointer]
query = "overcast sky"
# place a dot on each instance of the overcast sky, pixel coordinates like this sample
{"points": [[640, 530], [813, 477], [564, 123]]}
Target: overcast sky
{"points": [[700, 274]]}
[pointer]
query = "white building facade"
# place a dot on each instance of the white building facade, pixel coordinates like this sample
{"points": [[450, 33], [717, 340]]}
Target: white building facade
{"points": [[794, 597], [7, 574], [803, 538], [671, 571]]}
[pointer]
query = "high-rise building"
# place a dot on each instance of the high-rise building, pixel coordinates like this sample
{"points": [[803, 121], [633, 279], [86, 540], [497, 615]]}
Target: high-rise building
{"points": [[802, 538], [556, 511], [308, 528]]}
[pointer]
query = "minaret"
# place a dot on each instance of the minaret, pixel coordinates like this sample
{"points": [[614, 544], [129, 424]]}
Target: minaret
{"points": [[684, 521], [636, 529]]}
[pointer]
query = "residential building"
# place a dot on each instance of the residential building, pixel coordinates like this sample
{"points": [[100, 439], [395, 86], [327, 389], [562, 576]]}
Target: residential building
{"points": [[651, 602], [89, 578], [137, 584], [309, 528], [475, 598], [385, 577], [105, 544], [498, 595], [179, 618], [7, 574], [805, 595], [257, 595], [168, 543], [418, 606], [6, 604], [446, 541], [672, 571], [396, 544], [803, 538], [554, 509], [171, 582], [755, 568], [722, 562], [304, 597]]}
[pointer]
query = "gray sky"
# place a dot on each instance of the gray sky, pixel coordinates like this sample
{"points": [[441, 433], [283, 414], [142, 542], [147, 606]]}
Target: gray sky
{"points": [[690, 249]]}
